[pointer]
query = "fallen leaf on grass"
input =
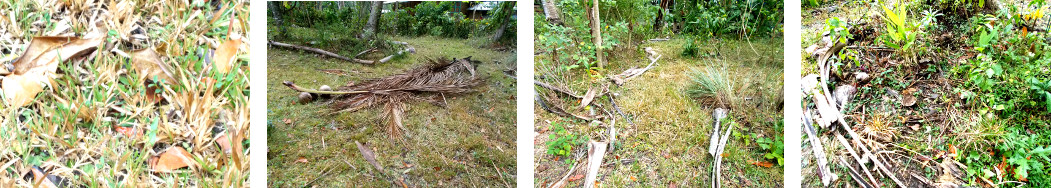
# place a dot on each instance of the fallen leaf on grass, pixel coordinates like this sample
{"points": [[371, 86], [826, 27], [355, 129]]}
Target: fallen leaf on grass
{"points": [[128, 131], [38, 178], [172, 159], [226, 54], [590, 95], [148, 62], [39, 62], [576, 177], [633, 178], [224, 143], [763, 164], [302, 160], [369, 155]]}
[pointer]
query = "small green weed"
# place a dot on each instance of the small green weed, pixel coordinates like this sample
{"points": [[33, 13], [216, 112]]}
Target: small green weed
{"points": [[562, 141]]}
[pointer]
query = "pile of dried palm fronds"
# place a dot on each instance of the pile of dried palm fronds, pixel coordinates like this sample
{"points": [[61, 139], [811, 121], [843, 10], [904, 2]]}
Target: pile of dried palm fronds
{"points": [[430, 83]]}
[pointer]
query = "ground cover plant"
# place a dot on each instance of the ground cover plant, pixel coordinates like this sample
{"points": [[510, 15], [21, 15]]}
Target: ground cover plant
{"points": [[926, 93], [124, 94], [626, 91], [441, 114]]}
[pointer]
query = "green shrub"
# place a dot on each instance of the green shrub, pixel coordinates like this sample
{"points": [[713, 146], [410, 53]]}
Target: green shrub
{"points": [[689, 49], [562, 141]]}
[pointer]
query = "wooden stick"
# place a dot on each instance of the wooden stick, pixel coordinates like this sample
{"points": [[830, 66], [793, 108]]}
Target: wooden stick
{"points": [[596, 151], [861, 160], [854, 173], [824, 173], [297, 88]]}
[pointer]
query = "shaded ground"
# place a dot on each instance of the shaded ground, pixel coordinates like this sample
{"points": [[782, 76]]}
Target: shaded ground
{"points": [[470, 143], [667, 146]]}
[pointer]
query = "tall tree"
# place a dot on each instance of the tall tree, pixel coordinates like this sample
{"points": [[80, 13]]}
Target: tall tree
{"points": [[596, 33], [374, 16], [506, 12], [551, 12]]}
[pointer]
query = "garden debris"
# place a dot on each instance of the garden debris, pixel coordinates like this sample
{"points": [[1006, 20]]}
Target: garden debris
{"points": [[720, 114], [38, 64], [339, 72], [147, 62], [171, 159], [824, 172], [844, 94], [226, 54], [562, 182], [407, 48], [369, 155], [623, 77], [430, 83], [909, 98], [952, 174], [596, 151], [39, 178]]}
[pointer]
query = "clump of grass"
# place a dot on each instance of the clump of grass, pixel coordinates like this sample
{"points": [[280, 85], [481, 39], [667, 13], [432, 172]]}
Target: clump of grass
{"points": [[713, 87], [690, 48]]}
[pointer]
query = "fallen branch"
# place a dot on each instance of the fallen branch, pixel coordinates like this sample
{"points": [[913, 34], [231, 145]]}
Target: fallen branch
{"points": [[562, 182], [408, 48], [854, 174], [824, 173], [719, 156], [596, 151], [623, 77], [617, 108]]}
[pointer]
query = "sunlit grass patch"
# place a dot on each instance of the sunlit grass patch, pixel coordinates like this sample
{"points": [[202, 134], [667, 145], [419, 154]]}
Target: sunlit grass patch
{"points": [[469, 143]]}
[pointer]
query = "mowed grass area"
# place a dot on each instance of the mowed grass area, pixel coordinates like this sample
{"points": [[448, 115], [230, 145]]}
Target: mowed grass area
{"points": [[471, 143], [668, 144]]}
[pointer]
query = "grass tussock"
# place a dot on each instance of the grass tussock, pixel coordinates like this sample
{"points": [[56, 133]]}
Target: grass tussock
{"points": [[713, 87]]}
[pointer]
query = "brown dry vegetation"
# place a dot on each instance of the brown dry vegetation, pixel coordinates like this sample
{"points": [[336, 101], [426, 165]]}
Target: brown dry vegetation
{"points": [[103, 117]]}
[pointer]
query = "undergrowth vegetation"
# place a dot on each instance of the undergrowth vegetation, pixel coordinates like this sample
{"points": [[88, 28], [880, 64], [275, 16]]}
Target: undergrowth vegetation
{"points": [[969, 86], [649, 86]]}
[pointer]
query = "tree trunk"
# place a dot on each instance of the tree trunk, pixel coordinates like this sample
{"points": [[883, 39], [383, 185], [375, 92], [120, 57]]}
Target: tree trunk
{"points": [[596, 33], [551, 12], [374, 16], [508, 7]]}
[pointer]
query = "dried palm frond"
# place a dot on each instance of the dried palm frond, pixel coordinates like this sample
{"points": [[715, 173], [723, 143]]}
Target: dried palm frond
{"points": [[428, 83]]}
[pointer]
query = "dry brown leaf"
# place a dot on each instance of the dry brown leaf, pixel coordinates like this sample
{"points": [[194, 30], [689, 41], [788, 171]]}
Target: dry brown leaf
{"points": [[576, 177], [171, 159], [39, 62], [224, 143], [148, 62], [302, 160], [226, 54], [369, 155], [40, 179], [128, 131], [588, 97]]}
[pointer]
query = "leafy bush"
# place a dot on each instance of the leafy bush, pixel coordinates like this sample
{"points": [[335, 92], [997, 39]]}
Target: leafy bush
{"points": [[689, 49], [1006, 73], [562, 141], [723, 17], [775, 148]]}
